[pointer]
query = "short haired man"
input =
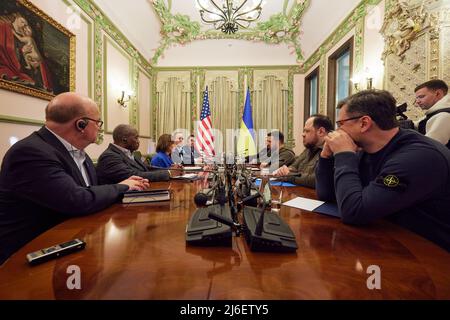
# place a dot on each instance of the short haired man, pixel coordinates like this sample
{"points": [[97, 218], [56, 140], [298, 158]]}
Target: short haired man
{"points": [[118, 161], [190, 154], [47, 177], [276, 151], [314, 132], [432, 96], [379, 170], [178, 151]]}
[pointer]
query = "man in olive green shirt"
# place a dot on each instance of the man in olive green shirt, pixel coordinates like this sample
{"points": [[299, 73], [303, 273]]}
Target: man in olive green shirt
{"points": [[277, 154], [314, 132]]}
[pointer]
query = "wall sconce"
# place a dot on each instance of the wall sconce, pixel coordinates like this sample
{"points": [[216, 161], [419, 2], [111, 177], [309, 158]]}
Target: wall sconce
{"points": [[369, 78], [122, 101], [355, 80], [369, 83]]}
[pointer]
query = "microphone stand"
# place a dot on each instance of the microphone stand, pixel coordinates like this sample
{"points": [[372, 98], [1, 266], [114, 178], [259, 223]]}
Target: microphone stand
{"points": [[231, 196], [260, 225]]}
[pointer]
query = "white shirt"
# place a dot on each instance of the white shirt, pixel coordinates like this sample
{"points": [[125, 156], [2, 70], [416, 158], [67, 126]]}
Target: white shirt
{"points": [[438, 126], [78, 156], [126, 151]]}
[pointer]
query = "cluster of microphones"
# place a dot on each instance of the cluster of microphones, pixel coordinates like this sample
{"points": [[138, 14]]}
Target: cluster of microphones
{"points": [[230, 206]]}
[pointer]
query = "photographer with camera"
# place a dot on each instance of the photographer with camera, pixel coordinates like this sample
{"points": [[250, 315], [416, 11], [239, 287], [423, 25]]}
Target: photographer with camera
{"points": [[432, 96]]}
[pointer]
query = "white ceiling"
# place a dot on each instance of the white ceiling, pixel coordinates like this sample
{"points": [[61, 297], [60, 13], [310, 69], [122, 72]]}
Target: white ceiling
{"points": [[137, 20], [139, 23], [320, 20]]}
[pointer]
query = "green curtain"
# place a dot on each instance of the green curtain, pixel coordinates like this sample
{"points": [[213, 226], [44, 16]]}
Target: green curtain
{"points": [[173, 109], [270, 107], [223, 101]]}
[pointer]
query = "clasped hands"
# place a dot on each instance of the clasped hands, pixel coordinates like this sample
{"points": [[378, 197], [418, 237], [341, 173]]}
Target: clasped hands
{"points": [[176, 170], [136, 183], [336, 142]]}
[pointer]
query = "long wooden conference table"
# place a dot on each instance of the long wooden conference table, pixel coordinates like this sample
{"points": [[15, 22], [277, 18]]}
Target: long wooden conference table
{"points": [[139, 252]]}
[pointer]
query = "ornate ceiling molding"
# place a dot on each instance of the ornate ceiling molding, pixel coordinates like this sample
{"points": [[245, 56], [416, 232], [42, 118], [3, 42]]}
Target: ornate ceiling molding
{"points": [[283, 27]]}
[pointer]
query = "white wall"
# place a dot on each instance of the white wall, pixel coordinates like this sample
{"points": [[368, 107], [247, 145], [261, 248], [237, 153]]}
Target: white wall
{"points": [[374, 44], [227, 53], [117, 71]]}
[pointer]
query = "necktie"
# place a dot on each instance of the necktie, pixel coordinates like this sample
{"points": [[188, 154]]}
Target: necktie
{"points": [[192, 155]]}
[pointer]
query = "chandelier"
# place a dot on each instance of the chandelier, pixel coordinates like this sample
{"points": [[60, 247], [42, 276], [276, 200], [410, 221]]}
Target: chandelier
{"points": [[230, 16]]}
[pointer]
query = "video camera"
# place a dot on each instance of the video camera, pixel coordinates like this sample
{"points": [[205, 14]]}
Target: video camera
{"points": [[402, 118]]}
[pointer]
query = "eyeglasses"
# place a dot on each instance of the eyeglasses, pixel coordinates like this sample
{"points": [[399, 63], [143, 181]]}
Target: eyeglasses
{"points": [[340, 122], [98, 122]]}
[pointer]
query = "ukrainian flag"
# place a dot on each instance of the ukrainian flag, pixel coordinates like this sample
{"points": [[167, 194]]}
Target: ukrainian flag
{"points": [[246, 145]]}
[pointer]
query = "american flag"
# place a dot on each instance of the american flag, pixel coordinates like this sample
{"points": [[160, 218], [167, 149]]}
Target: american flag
{"points": [[204, 141]]}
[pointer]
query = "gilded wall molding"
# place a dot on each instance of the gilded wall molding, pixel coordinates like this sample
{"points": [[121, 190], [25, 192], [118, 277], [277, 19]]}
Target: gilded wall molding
{"points": [[154, 104], [290, 125], [322, 84], [402, 24], [444, 39], [98, 74], [133, 105], [358, 61], [416, 50]]}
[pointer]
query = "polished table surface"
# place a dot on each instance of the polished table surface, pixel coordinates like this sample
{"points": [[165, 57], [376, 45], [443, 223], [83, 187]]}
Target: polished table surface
{"points": [[139, 252]]}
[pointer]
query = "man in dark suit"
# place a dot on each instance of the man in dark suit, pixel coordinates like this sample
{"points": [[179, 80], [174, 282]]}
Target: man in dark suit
{"points": [[118, 162], [190, 154], [47, 177], [177, 154]]}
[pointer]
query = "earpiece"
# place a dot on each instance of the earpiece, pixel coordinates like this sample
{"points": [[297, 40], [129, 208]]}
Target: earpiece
{"points": [[81, 124], [124, 140]]}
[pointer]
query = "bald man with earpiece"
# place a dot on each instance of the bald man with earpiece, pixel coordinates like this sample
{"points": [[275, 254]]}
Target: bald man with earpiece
{"points": [[47, 177]]}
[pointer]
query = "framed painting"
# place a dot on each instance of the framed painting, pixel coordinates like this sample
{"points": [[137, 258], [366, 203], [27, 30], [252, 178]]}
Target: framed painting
{"points": [[37, 54]]}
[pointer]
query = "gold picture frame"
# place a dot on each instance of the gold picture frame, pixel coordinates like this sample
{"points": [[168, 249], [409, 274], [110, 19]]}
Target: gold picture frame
{"points": [[37, 54]]}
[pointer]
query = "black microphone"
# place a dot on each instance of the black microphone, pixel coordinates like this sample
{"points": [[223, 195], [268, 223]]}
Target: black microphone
{"points": [[260, 225], [254, 196], [200, 199], [227, 221], [221, 196]]}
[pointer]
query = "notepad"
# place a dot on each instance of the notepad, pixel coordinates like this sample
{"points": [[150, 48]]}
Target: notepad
{"points": [[316, 206], [187, 176], [146, 196], [192, 168]]}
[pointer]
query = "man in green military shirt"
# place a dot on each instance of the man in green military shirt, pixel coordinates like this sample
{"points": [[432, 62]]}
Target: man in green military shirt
{"points": [[277, 154], [314, 132]]}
